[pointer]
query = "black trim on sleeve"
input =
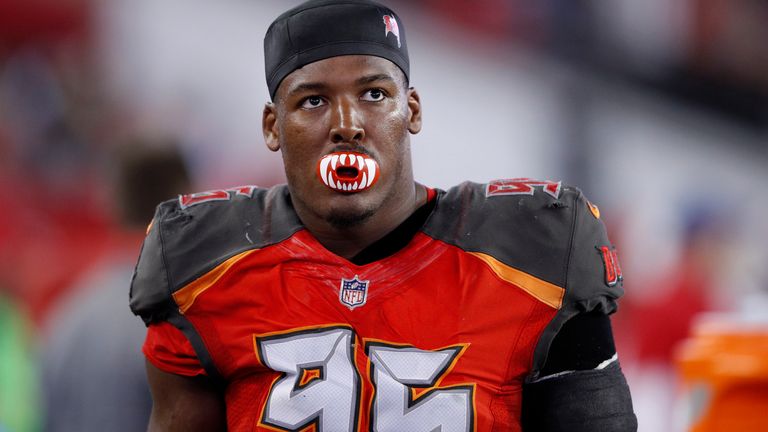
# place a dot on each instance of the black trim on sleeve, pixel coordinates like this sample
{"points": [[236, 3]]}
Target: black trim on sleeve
{"points": [[181, 322]]}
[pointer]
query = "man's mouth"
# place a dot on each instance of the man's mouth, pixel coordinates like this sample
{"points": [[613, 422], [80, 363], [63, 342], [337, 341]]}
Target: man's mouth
{"points": [[348, 172]]}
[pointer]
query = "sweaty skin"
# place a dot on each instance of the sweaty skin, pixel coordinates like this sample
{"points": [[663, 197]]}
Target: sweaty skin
{"points": [[350, 104]]}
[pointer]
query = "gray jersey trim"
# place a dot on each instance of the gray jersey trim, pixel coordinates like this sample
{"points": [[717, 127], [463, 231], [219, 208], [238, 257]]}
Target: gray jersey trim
{"points": [[553, 238], [185, 243], [186, 327]]}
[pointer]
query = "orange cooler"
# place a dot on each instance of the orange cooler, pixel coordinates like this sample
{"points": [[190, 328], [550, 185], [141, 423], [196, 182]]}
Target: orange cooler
{"points": [[724, 372]]}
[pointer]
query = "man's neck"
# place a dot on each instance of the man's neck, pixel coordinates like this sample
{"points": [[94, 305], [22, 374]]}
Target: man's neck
{"points": [[349, 241]]}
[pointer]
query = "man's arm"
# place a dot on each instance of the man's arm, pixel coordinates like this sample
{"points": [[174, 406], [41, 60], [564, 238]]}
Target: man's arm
{"points": [[579, 401], [581, 387], [184, 403]]}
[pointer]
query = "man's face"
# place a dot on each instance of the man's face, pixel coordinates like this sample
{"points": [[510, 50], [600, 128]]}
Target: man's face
{"points": [[347, 103]]}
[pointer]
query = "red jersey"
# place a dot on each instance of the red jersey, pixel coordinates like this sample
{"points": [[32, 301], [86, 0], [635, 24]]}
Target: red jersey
{"points": [[438, 336]]}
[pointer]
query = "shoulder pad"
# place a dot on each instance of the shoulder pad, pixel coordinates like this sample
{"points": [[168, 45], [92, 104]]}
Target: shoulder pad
{"points": [[194, 233], [544, 229]]}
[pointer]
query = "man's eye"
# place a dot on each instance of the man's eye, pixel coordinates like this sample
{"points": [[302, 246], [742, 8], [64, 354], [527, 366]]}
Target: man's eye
{"points": [[312, 102], [373, 95]]}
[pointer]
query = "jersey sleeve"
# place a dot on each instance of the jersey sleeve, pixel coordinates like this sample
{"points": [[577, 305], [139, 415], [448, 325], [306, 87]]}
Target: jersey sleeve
{"points": [[593, 281], [150, 295], [168, 349], [168, 344]]}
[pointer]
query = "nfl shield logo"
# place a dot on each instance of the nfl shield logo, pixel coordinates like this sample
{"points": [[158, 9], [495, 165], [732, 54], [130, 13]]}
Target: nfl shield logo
{"points": [[353, 292]]}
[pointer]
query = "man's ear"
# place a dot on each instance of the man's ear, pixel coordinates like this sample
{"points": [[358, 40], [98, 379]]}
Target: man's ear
{"points": [[414, 111], [269, 127]]}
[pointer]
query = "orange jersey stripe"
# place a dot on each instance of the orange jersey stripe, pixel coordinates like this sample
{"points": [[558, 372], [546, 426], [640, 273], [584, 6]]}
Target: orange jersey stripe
{"points": [[544, 291], [186, 296]]}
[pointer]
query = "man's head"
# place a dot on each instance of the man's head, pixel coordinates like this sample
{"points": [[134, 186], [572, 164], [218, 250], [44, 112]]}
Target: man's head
{"points": [[337, 72], [320, 29]]}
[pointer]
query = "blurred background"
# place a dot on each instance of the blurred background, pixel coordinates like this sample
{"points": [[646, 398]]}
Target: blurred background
{"points": [[657, 109]]}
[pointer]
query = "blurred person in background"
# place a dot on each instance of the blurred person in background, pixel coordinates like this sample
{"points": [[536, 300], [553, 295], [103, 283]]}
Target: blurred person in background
{"points": [[484, 307], [93, 373]]}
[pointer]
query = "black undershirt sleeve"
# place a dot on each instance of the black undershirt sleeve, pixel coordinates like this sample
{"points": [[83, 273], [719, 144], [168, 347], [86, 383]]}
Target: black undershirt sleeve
{"points": [[582, 398], [584, 342]]}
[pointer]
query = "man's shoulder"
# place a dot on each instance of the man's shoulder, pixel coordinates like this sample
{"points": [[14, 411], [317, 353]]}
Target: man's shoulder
{"points": [[477, 213], [215, 201], [260, 215], [523, 223], [511, 195], [194, 233]]}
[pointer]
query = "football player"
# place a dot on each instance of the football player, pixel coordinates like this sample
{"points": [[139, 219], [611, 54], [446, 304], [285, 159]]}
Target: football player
{"points": [[354, 298]]}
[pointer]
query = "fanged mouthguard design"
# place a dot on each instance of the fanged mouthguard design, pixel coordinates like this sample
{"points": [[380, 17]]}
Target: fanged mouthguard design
{"points": [[348, 172]]}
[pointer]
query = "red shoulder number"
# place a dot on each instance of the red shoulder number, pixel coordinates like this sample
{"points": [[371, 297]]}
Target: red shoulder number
{"points": [[522, 186], [215, 195]]}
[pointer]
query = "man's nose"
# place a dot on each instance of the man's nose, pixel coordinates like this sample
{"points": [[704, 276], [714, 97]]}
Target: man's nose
{"points": [[347, 123]]}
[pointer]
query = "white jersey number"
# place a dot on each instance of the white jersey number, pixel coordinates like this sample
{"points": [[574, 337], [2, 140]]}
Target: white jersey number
{"points": [[330, 400], [321, 385], [396, 370]]}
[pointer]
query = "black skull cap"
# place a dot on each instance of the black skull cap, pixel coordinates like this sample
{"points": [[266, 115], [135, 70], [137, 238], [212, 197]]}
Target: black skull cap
{"points": [[320, 29]]}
